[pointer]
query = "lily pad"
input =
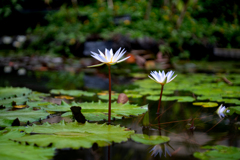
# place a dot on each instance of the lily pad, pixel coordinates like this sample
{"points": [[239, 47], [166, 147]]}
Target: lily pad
{"points": [[149, 140], [10, 150], [10, 92], [74, 135], [105, 97], [173, 98], [99, 111], [24, 115], [235, 109], [206, 104], [18, 100], [37, 96], [233, 101], [219, 152], [74, 93]]}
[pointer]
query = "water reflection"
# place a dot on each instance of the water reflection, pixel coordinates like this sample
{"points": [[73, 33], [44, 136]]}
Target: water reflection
{"points": [[160, 149]]}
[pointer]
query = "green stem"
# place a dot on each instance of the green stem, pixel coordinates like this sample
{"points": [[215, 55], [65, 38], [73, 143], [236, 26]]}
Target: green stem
{"points": [[110, 93], [160, 99]]}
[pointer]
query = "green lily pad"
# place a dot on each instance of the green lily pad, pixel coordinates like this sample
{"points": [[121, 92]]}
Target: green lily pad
{"points": [[235, 109], [173, 98], [149, 140], [24, 115], [233, 101], [37, 96], [219, 152], [10, 150], [63, 107], [10, 92], [8, 102], [74, 93], [99, 111], [105, 97], [206, 104], [74, 135]]}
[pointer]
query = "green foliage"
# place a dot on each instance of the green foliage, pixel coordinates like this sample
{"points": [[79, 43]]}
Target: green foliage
{"points": [[24, 115], [219, 152], [74, 135], [97, 111], [75, 93], [10, 92], [10, 150], [8, 7], [149, 140], [69, 27]]}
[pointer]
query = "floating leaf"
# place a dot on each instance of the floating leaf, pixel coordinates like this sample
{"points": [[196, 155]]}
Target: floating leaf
{"points": [[18, 100], [235, 109], [63, 107], [149, 140], [74, 135], [234, 101], [173, 98], [105, 97], [206, 104], [99, 111], [74, 93], [24, 115], [37, 96], [219, 152], [11, 150], [10, 92]]}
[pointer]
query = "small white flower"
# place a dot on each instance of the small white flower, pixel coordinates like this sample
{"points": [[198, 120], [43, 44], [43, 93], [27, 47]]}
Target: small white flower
{"points": [[109, 58], [221, 110], [161, 77]]}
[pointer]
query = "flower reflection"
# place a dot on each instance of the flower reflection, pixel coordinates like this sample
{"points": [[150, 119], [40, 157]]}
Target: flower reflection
{"points": [[222, 110], [159, 149]]}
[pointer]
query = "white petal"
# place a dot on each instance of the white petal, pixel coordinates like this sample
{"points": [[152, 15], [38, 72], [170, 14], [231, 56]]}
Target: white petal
{"points": [[123, 59], [116, 55], [173, 78], [120, 55], [97, 57], [153, 79], [108, 55], [169, 76], [101, 53], [111, 53], [156, 76]]}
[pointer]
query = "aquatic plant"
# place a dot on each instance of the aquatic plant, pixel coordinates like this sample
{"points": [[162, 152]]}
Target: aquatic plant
{"points": [[109, 59], [221, 110], [162, 78]]}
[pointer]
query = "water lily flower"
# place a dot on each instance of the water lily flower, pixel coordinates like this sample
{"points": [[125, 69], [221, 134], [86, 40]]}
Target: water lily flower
{"points": [[158, 149], [162, 78], [222, 110], [109, 58]]}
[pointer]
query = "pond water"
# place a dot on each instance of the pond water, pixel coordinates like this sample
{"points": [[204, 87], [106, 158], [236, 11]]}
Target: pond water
{"points": [[188, 126]]}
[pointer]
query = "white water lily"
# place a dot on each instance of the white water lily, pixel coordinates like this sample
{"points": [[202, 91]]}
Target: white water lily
{"points": [[221, 110], [161, 77], [109, 58]]}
